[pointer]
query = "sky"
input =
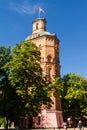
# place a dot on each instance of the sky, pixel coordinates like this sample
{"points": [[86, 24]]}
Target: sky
{"points": [[66, 18]]}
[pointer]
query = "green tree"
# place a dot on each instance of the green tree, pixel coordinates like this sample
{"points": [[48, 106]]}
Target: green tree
{"points": [[72, 89], [9, 100], [27, 77], [77, 95], [4, 82]]}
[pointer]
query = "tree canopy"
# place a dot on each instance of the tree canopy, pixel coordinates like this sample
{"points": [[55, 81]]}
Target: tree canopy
{"points": [[11, 105], [23, 89], [72, 89], [4, 82], [27, 77]]}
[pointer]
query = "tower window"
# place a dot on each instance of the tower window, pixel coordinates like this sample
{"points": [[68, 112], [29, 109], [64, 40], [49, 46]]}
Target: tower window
{"points": [[49, 58], [48, 72], [37, 26]]}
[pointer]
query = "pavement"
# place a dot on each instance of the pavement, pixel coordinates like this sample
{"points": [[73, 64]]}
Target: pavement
{"points": [[76, 128]]}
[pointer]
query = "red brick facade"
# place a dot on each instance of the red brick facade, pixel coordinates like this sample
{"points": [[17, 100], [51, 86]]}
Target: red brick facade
{"points": [[49, 47]]}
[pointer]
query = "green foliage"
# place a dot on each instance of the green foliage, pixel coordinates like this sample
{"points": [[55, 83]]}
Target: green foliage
{"points": [[2, 121], [73, 93], [11, 104], [4, 82], [77, 87], [27, 78], [23, 89]]}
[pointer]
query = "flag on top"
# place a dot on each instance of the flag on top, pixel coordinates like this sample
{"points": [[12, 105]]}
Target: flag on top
{"points": [[41, 10]]}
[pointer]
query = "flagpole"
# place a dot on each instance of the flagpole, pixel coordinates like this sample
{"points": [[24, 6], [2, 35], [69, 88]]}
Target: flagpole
{"points": [[39, 13], [40, 10]]}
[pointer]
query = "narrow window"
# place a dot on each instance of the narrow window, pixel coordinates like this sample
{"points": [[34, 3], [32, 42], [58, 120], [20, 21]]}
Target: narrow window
{"points": [[37, 26], [48, 58], [48, 71]]}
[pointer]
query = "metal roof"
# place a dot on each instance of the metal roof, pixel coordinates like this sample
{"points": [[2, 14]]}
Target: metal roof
{"points": [[40, 33]]}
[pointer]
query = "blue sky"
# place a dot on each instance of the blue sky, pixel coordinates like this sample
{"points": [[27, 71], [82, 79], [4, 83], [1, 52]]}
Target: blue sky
{"points": [[66, 18]]}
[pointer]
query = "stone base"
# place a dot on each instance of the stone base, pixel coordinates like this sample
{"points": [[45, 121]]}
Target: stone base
{"points": [[48, 119]]}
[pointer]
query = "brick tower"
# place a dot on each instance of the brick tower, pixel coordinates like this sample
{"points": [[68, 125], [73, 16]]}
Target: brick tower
{"points": [[49, 47]]}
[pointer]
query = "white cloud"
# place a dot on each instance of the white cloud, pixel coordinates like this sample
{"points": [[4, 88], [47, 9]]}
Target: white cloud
{"points": [[23, 8]]}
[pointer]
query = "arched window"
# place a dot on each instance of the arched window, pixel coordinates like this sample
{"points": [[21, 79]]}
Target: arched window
{"points": [[49, 58]]}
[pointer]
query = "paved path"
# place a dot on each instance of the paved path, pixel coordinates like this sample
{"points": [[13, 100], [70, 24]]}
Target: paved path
{"points": [[85, 128]]}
